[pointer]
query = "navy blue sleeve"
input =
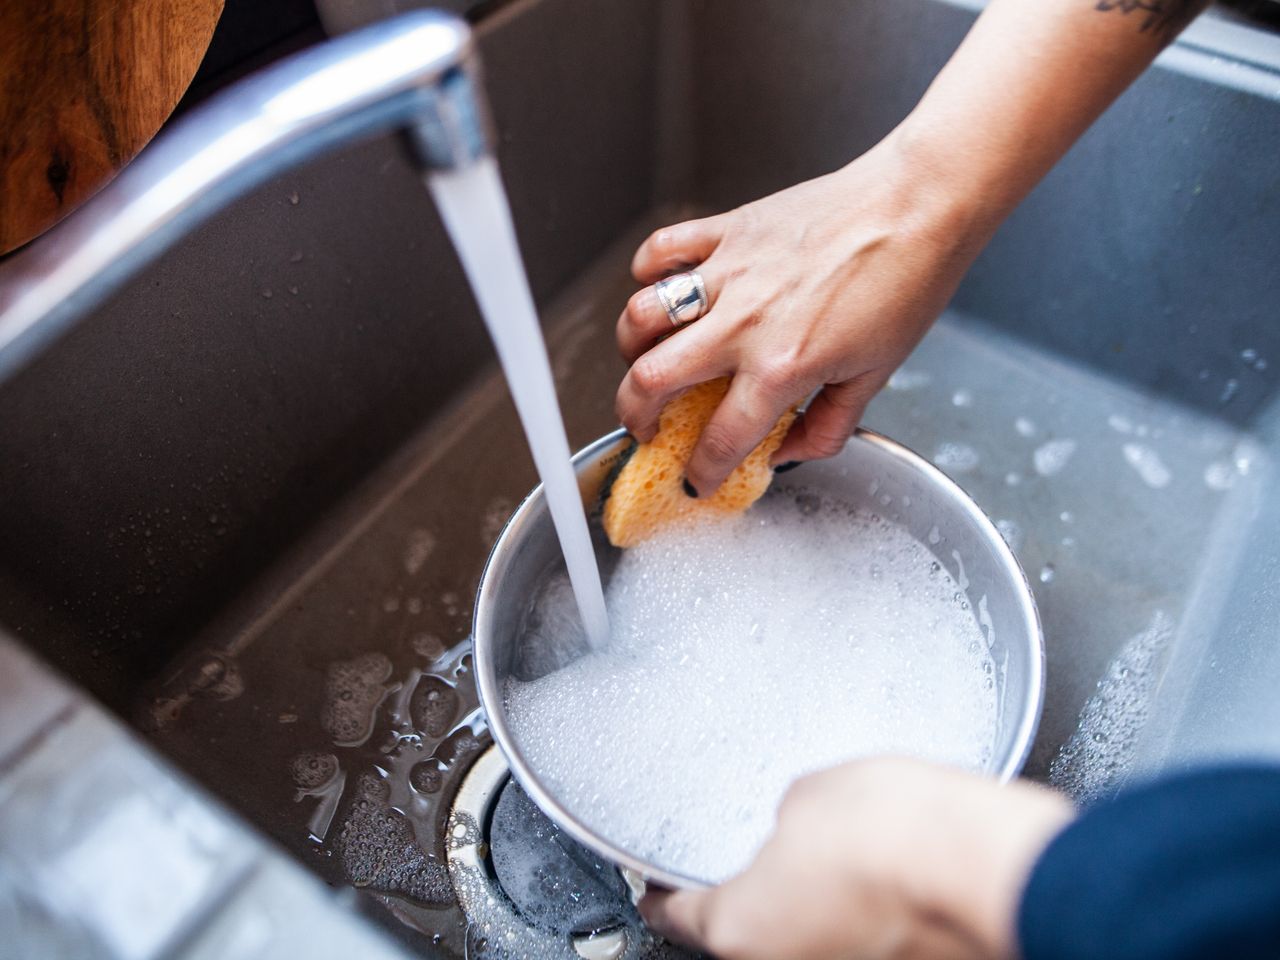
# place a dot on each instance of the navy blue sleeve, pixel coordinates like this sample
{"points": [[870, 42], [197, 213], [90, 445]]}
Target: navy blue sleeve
{"points": [[1187, 868]]}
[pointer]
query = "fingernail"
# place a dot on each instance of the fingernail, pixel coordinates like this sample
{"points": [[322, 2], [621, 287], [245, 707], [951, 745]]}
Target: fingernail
{"points": [[689, 489], [789, 465]]}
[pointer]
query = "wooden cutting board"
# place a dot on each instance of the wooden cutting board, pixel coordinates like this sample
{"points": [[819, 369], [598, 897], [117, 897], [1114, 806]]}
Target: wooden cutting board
{"points": [[84, 85]]}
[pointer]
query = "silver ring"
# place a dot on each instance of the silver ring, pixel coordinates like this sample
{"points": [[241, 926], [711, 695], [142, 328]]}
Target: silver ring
{"points": [[683, 296]]}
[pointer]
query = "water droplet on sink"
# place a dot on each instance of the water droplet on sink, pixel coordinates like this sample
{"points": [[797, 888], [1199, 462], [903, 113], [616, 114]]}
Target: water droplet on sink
{"points": [[956, 457], [1219, 476], [1148, 465], [1051, 457], [1119, 423], [1047, 573], [904, 379]]}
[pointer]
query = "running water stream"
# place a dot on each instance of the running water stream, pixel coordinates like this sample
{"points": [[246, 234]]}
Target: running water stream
{"points": [[473, 206]]}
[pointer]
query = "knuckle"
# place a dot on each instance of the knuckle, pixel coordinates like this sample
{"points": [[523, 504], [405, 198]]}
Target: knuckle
{"points": [[779, 374], [663, 241], [734, 271], [800, 795], [815, 793], [826, 443], [639, 303], [857, 394], [904, 770], [868, 783], [719, 444], [747, 321], [648, 377]]}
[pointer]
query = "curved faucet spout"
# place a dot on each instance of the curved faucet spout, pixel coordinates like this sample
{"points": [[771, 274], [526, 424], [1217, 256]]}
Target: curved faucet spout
{"points": [[418, 72]]}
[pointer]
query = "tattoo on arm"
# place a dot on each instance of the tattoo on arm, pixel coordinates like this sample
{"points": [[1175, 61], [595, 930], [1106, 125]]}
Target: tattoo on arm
{"points": [[1163, 18]]}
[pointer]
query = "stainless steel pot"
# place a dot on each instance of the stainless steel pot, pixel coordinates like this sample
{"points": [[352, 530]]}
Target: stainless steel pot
{"points": [[870, 469]]}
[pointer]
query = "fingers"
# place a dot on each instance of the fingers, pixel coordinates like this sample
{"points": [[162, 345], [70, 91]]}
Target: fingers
{"points": [[760, 913], [699, 353], [677, 247], [641, 324], [645, 319], [679, 916], [832, 416], [746, 414]]}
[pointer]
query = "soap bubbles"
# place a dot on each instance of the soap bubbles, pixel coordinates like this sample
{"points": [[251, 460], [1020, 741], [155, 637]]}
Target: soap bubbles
{"points": [[353, 689], [746, 652]]}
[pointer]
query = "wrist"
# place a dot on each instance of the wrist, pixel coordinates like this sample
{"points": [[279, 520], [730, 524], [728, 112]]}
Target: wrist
{"points": [[953, 181], [1023, 819], [922, 199]]}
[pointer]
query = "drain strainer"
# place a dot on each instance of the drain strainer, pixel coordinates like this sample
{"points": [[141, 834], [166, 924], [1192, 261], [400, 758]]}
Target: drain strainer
{"points": [[528, 890]]}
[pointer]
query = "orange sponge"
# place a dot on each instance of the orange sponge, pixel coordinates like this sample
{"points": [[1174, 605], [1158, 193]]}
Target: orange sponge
{"points": [[648, 493]]}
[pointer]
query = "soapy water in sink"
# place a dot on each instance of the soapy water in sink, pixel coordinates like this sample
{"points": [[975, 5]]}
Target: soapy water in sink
{"points": [[747, 652], [473, 206], [1093, 764]]}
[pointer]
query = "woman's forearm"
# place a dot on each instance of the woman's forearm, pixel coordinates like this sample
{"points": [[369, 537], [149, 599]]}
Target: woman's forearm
{"points": [[1027, 81]]}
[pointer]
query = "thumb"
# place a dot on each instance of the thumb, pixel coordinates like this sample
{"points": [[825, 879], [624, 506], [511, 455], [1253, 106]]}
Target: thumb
{"points": [[829, 420], [677, 915]]}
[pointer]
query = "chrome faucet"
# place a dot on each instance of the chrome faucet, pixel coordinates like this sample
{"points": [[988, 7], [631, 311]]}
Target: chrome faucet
{"points": [[418, 73]]}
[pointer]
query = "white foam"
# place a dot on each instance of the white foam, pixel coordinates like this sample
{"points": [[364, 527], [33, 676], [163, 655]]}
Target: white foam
{"points": [[745, 653], [1092, 765]]}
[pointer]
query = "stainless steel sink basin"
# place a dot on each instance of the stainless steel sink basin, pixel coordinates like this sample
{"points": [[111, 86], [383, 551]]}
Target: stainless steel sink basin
{"points": [[246, 504]]}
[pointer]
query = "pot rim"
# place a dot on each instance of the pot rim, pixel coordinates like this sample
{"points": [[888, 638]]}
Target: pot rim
{"points": [[491, 696]]}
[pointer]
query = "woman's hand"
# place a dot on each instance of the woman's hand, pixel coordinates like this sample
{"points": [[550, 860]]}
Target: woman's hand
{"points": [[828, 284], [881, 859]]}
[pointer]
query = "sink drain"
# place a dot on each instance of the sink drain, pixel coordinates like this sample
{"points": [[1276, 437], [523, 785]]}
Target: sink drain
{"points": [[526, 889]]}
